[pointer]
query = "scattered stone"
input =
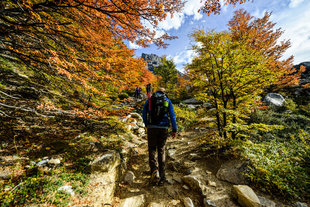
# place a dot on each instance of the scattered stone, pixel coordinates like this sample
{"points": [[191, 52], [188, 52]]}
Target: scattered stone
{"points": [[232, 172], [174, 202], [185, 187], [246, 196], [207, 105], [42, 163], [53, 162], [129, 177], [178, 179], [66, 189], [264, 202], [193, 182], [170, 181], [192, 101], [5, 175], [171, 152], [141, 132], [188, 171], [188, 202], [211, 183], [193, 156], [135, 201], [208, 203], [136, 116], [300, 204], [208, 172]]}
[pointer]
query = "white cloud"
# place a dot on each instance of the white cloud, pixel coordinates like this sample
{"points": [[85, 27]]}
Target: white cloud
{"points": [[182, 58], [133, 45], [191, 7], [295, 23], [174, 22], [295, 3]]}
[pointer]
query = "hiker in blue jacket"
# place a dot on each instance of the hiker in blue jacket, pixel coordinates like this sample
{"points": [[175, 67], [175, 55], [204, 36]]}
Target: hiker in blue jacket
{"points": [[156, 118]]}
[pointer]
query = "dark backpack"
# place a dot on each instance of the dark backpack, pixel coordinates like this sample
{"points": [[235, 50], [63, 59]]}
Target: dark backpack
{"points": [[159, 107]]}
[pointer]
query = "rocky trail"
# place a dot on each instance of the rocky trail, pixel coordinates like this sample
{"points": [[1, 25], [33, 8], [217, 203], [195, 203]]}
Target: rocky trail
{"points": [[192, 179]]}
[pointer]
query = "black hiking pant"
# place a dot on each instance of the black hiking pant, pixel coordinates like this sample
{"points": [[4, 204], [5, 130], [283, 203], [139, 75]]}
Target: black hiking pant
{"points": [[156, 142]]}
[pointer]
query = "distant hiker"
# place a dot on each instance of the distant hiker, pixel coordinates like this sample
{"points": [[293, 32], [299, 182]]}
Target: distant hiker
{"points": [[157, 122], [137, 92]]}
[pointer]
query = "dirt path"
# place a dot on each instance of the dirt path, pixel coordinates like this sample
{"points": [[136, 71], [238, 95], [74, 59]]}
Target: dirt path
{"points": [[183, 158]]}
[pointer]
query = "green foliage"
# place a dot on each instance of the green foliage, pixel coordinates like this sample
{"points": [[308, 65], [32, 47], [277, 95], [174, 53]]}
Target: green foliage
{"points": [[291, 124], [42, 189], [185, 117], [279, 167], [123, 96], [279, 157], [289, 104]]}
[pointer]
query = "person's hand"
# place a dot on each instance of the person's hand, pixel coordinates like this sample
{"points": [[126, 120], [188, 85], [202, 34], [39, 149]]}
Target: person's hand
{"points": [[173, 135]]}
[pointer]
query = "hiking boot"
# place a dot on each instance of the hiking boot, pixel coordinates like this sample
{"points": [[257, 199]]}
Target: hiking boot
{"points": [[155, 177], [162, 181]]}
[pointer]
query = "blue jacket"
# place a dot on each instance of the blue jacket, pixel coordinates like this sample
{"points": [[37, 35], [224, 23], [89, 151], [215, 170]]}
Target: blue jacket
{"points": [[165, 121]]}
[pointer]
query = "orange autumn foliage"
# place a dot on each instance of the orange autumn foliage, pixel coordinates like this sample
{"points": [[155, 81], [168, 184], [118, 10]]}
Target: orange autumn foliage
{"points": [[259, 34]]}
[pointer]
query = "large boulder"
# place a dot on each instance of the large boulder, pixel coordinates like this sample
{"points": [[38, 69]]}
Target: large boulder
{"points": [[274, 99], [246, 196], [106, 162], [194, 183], [104, 176], [233, 172]]}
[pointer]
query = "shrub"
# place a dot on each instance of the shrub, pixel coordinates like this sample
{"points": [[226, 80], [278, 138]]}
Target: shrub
{"points": [[279, 167], [123, 96], [185, 117]]}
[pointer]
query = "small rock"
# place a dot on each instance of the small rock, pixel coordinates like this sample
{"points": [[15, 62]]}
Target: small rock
{"points": [[264, 202], [155, 205], [193, 156], [188, 202], [136, 116], [5, 175], [54, 162], [193, 182], [178, 179], [171, 152], [211, 183], [66, 189], [208, 203], [129, 177], [188, 171], [185, 187], [42, 163], [170, 181], [246, 196], [174, 202], [208, 172], [141, 131], [300, 204]]}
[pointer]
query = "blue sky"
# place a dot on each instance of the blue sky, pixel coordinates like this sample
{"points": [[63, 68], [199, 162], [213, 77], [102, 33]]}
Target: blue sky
{"points": [[292, 16]]}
